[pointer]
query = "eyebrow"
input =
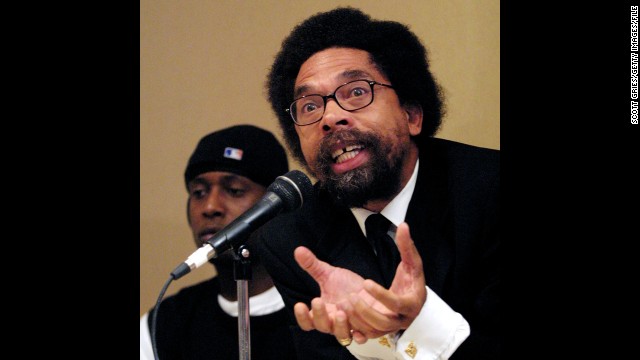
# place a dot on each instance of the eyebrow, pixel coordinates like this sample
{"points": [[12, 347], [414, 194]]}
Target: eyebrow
{"points": [[197, 181], [347, 75], [224, 180]]}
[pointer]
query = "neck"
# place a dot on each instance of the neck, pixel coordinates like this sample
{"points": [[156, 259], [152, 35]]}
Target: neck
{"points": [[259, 283]]}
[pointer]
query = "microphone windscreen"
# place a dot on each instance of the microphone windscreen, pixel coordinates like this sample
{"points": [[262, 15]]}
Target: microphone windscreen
{"points": [[292, 187]]}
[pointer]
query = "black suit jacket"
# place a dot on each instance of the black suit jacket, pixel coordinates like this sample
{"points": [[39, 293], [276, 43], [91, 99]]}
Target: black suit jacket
{"points": [[453, 218]]}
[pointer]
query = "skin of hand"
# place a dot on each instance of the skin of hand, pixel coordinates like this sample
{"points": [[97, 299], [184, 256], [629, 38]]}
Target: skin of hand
{"points": [[349, 302]]}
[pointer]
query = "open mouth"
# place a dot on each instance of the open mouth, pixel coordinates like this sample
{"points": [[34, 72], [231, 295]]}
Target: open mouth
{"points": [[346, 153], [207, 235]]}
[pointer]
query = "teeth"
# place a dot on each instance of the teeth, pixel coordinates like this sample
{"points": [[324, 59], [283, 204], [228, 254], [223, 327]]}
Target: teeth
{"points": [[346, 156], [337, 153], [346, 153]]}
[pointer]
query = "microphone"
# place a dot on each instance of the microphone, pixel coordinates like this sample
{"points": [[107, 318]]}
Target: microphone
{"points": [[286, 193]]}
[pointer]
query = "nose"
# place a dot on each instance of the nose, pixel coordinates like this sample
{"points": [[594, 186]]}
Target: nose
{"points": [[214, 205], [334, 117]]}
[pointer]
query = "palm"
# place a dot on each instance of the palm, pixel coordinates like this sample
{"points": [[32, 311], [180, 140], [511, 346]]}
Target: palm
{"points": [[337, 286], [372, 309]]}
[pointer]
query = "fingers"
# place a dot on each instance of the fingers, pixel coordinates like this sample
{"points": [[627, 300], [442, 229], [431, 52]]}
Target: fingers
{"points": [[403, 308], [369, 321], [408, 251], [341, 329], [317, 318], [310, 263], [359, 337], [303, 316], [321, 320], [384, 296]]}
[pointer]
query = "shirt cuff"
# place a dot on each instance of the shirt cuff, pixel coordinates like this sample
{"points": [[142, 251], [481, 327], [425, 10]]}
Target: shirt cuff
{"points": [[435, 333]]}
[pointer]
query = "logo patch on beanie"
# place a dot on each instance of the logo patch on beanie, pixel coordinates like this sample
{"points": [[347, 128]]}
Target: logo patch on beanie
{"points": [[233, 153]]}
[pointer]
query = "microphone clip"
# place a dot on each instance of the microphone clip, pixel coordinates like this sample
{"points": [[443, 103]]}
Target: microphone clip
{"points": [[242, 263]]}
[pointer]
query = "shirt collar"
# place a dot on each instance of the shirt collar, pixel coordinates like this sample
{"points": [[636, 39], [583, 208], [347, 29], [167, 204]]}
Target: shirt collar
{"points": [[396, 210], [264, 303]]}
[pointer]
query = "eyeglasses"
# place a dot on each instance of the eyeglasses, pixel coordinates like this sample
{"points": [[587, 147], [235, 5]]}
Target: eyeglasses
{"points": [[350, 96]]}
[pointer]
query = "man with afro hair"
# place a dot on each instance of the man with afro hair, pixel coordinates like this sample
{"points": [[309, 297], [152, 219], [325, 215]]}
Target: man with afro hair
{"points": [[396, 256]]}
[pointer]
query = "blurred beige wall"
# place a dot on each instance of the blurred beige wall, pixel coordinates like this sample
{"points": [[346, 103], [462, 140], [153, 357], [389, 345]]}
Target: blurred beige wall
{"points": [[203, 65]]}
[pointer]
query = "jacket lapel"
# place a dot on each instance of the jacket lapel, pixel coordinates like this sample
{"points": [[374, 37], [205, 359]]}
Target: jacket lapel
{"points": [[427, 216]]}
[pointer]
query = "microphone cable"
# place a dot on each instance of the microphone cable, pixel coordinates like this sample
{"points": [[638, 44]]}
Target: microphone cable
{"points": [[154, 315]]}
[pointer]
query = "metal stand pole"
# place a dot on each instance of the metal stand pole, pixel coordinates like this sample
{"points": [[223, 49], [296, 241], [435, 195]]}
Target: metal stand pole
{"points": [[242, 275]]}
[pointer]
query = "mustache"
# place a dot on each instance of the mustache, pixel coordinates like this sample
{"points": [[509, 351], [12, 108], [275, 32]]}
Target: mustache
{"points": [[344, 138]]}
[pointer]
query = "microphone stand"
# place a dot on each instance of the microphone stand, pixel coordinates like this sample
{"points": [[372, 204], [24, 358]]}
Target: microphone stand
{"points": [[242, 275]]}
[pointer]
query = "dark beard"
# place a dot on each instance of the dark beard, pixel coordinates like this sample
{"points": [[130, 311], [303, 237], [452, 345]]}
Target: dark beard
{"points": [[377, 180]]}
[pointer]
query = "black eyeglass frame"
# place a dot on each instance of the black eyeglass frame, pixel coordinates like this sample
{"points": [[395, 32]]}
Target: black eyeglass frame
{"points": [[333, 96]]}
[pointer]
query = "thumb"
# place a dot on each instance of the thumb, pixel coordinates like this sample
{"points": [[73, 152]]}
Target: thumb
{"points": [[318, 269], [408, 252]]}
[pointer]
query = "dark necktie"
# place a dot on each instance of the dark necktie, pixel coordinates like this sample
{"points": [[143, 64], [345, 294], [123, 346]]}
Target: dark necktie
{"points": [[387, 253]]}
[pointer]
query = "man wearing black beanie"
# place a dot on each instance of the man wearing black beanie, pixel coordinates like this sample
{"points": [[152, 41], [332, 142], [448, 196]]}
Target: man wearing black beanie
{"points": [[228, 172]]}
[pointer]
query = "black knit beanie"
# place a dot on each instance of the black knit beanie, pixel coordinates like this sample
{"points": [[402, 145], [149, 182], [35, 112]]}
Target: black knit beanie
{"points": [[244, 150]]}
